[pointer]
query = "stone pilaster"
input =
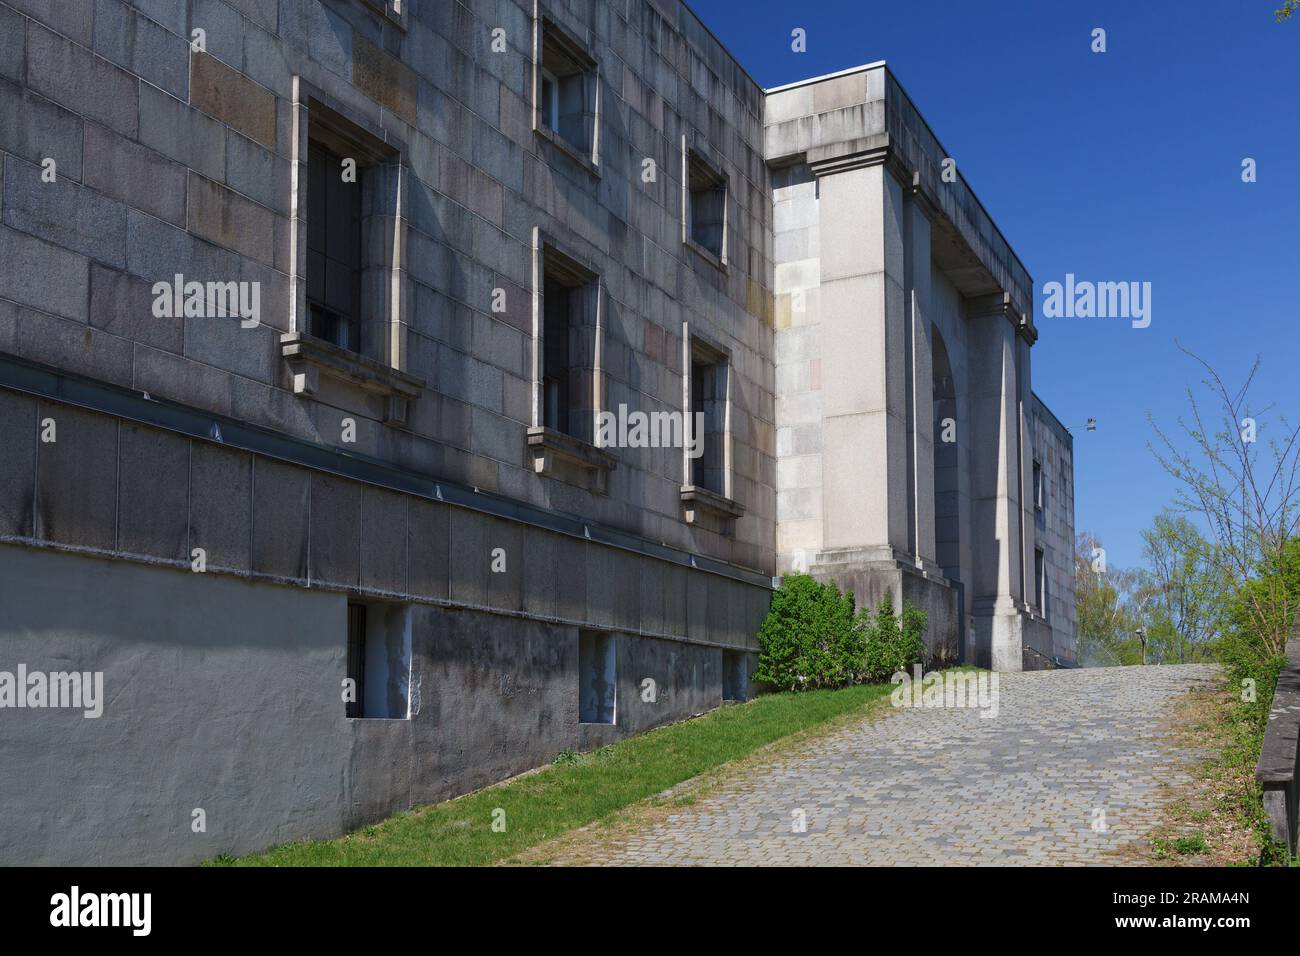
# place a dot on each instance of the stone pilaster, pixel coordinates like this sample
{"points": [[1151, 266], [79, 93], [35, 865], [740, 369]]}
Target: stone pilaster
{"points": [[998, 478], [864, 384]]}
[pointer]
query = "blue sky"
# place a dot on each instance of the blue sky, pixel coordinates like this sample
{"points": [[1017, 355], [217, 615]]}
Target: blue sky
{"points": [[1117, 166]]}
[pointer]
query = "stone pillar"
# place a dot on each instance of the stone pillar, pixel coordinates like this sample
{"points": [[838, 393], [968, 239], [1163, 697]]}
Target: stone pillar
{"points": [[997, 513], [865, 404]]}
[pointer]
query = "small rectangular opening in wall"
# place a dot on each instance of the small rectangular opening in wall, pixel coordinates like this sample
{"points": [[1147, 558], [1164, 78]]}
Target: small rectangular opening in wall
{"points": [[379, 661], [597, 679], [735, 676]]}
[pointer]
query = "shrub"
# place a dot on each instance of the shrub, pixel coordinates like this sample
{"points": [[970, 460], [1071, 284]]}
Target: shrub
{"points": [[808, 639], [891, 644]]}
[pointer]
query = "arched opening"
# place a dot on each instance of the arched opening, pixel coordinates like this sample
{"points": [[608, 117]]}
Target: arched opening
{"points": [[947, 510]]}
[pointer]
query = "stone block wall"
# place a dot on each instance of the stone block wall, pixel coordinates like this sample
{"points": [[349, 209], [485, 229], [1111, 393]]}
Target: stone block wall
{"points": [[1054, 449], [175, 161]]}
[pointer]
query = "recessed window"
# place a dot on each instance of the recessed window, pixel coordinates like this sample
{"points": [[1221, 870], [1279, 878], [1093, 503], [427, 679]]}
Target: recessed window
{"points": [[570, 302], [1039, 494], [735, 677], [379, 661], [333, 250], [353, 236], [708, 463], [567, 91], [597, 684], [706, 206]]}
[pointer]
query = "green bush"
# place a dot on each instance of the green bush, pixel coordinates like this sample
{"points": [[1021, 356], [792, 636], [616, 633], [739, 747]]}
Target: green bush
{"points": [[808, 639], [891, 643]]}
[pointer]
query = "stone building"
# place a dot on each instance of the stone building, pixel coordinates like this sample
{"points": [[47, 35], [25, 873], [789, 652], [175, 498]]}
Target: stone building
{"points": [[313, 314], [1053, 497]]}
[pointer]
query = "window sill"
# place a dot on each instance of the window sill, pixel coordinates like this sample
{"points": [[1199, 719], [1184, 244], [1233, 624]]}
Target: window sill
{"points": [[309, 358], [696, 499], [384, 8], [554, 452], [564, 146], [707, 255]]}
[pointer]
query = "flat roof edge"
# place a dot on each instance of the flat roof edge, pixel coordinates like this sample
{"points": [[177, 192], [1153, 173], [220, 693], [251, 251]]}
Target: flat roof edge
{"points": [[826, 76]]}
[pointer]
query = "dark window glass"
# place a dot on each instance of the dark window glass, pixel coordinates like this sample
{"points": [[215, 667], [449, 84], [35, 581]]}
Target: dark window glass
{"points": [[333, 250], [708, 405]]}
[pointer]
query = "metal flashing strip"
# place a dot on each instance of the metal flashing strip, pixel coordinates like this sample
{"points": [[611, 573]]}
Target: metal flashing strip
{"points": [[60, 386]]}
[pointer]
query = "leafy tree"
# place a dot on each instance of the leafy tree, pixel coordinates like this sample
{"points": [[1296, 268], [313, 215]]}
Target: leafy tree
{"points": [[1284, 12], [1243, 637], [1179, 597], [1103, 607]]}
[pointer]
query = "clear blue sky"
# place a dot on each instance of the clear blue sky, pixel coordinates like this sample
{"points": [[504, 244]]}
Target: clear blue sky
{"points": [[1117, 166]]}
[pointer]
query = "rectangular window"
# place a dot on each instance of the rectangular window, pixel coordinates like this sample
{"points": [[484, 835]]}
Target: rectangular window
{"points": [[570, 317], [333, 250], [735, 679], [1039, 496], [597, 678], [557, 344], [708, 470], [706, 206], [567, 91], [353, 237], [379, 661]]}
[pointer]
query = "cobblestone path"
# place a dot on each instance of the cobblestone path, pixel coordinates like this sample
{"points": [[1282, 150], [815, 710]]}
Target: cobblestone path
{"points": [[1069, 770]]}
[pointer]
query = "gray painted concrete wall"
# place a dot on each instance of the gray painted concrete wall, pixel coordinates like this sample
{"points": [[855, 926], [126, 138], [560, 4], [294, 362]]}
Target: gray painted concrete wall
{"points": [[225, 695], [220, 694]]}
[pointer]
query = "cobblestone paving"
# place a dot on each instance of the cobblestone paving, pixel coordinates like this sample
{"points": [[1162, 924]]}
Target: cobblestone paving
{"points": [[946, 786]]}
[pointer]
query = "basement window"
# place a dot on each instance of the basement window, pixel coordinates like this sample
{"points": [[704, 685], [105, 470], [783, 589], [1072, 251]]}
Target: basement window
{"points": [[597, 686], [379, 661], [705, 213], [735, 679]]}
